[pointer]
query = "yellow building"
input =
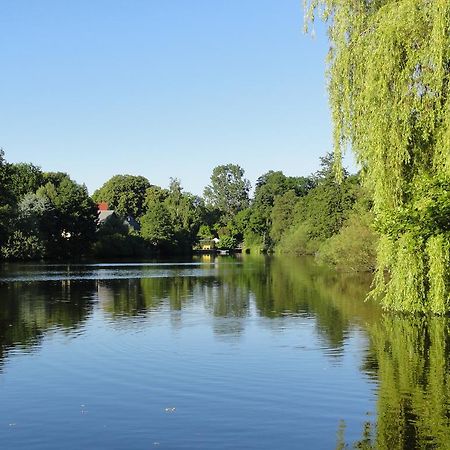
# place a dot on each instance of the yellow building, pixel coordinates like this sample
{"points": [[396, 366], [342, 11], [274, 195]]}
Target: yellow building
{"points": [[208, 244]]}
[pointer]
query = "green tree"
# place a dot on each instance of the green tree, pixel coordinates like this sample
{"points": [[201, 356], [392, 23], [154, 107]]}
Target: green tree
{"points": [[389, 94], [25, 178], [205, 232], [16, 180], [23, 246], [157, 227], [321, 213], [54, 178], [71, 230], [282, 214], [125, 194], [228, 191], [33, 210], [35, 216], [6, 199], [238, 225], [227, 242], [273, 184], [269, 187], [154, 194], [327, 206], [353, 248], [186, 211]]}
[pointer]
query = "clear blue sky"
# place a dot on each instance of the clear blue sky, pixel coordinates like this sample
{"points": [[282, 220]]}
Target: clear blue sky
{"points": [[162, 88]]}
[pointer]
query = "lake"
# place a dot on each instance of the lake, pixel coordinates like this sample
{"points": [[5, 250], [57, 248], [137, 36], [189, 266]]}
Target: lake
{"points": [[214, 353]]}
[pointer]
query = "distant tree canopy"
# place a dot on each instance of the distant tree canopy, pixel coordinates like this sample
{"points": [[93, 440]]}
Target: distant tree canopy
{"points": [[24, 178], [6, 198], [389, 68], [157, 227], [228, 191], [172, 218], [43, 214], [269, 187], [73, 223], [46, 215], [125, 194], [304, 224]]}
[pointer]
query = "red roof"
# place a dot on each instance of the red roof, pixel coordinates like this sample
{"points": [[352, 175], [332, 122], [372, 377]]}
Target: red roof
{"points": [[103, 206]]}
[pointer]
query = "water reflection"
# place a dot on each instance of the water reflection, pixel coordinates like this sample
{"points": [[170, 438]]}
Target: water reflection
{"points": [[410, 358], [335, 300], [407, 358], [275, 286], [223, 288], [28, 310]]}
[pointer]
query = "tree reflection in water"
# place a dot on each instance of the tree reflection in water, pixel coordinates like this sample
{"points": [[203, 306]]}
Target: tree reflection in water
{"points": [[272, 286], [275, 286], [29, 310], [408, 357]]}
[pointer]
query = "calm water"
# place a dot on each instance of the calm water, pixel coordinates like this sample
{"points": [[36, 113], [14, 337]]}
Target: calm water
{"points": [[250, 353]]}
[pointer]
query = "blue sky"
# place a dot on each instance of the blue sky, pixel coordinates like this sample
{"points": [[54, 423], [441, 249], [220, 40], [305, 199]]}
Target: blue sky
{"points": [[162, 88]]}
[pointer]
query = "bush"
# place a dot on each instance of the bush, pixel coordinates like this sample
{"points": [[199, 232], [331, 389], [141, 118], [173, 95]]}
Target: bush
{"points": [[297, 241], [253, 243], [353, 249]]}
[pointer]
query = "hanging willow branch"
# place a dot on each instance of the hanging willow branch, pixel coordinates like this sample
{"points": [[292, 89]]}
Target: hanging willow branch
{"points": [[388, 69]]}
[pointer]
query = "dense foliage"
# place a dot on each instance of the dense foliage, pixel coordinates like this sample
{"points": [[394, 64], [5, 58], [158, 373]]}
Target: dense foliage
{"points": [[228, 191], [44, 215], [389, 69], [313, 215], [124, 193], [47, 215]]}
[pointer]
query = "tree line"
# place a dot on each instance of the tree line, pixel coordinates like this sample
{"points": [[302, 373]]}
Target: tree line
{"points": [[46, 215]]}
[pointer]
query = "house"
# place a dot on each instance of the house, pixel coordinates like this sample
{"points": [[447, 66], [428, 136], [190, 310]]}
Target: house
{"points": [[105, 214], [208, 244]]}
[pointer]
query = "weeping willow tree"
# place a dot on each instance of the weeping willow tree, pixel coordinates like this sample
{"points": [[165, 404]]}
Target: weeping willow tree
{"points": [[389, 68]]}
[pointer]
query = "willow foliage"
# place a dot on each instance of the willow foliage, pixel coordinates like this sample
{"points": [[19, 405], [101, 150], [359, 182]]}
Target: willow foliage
{"points": [[389, 65]]}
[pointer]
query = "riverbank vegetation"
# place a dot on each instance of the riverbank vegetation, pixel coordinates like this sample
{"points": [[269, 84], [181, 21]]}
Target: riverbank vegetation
{"points": [[50, 216]]}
